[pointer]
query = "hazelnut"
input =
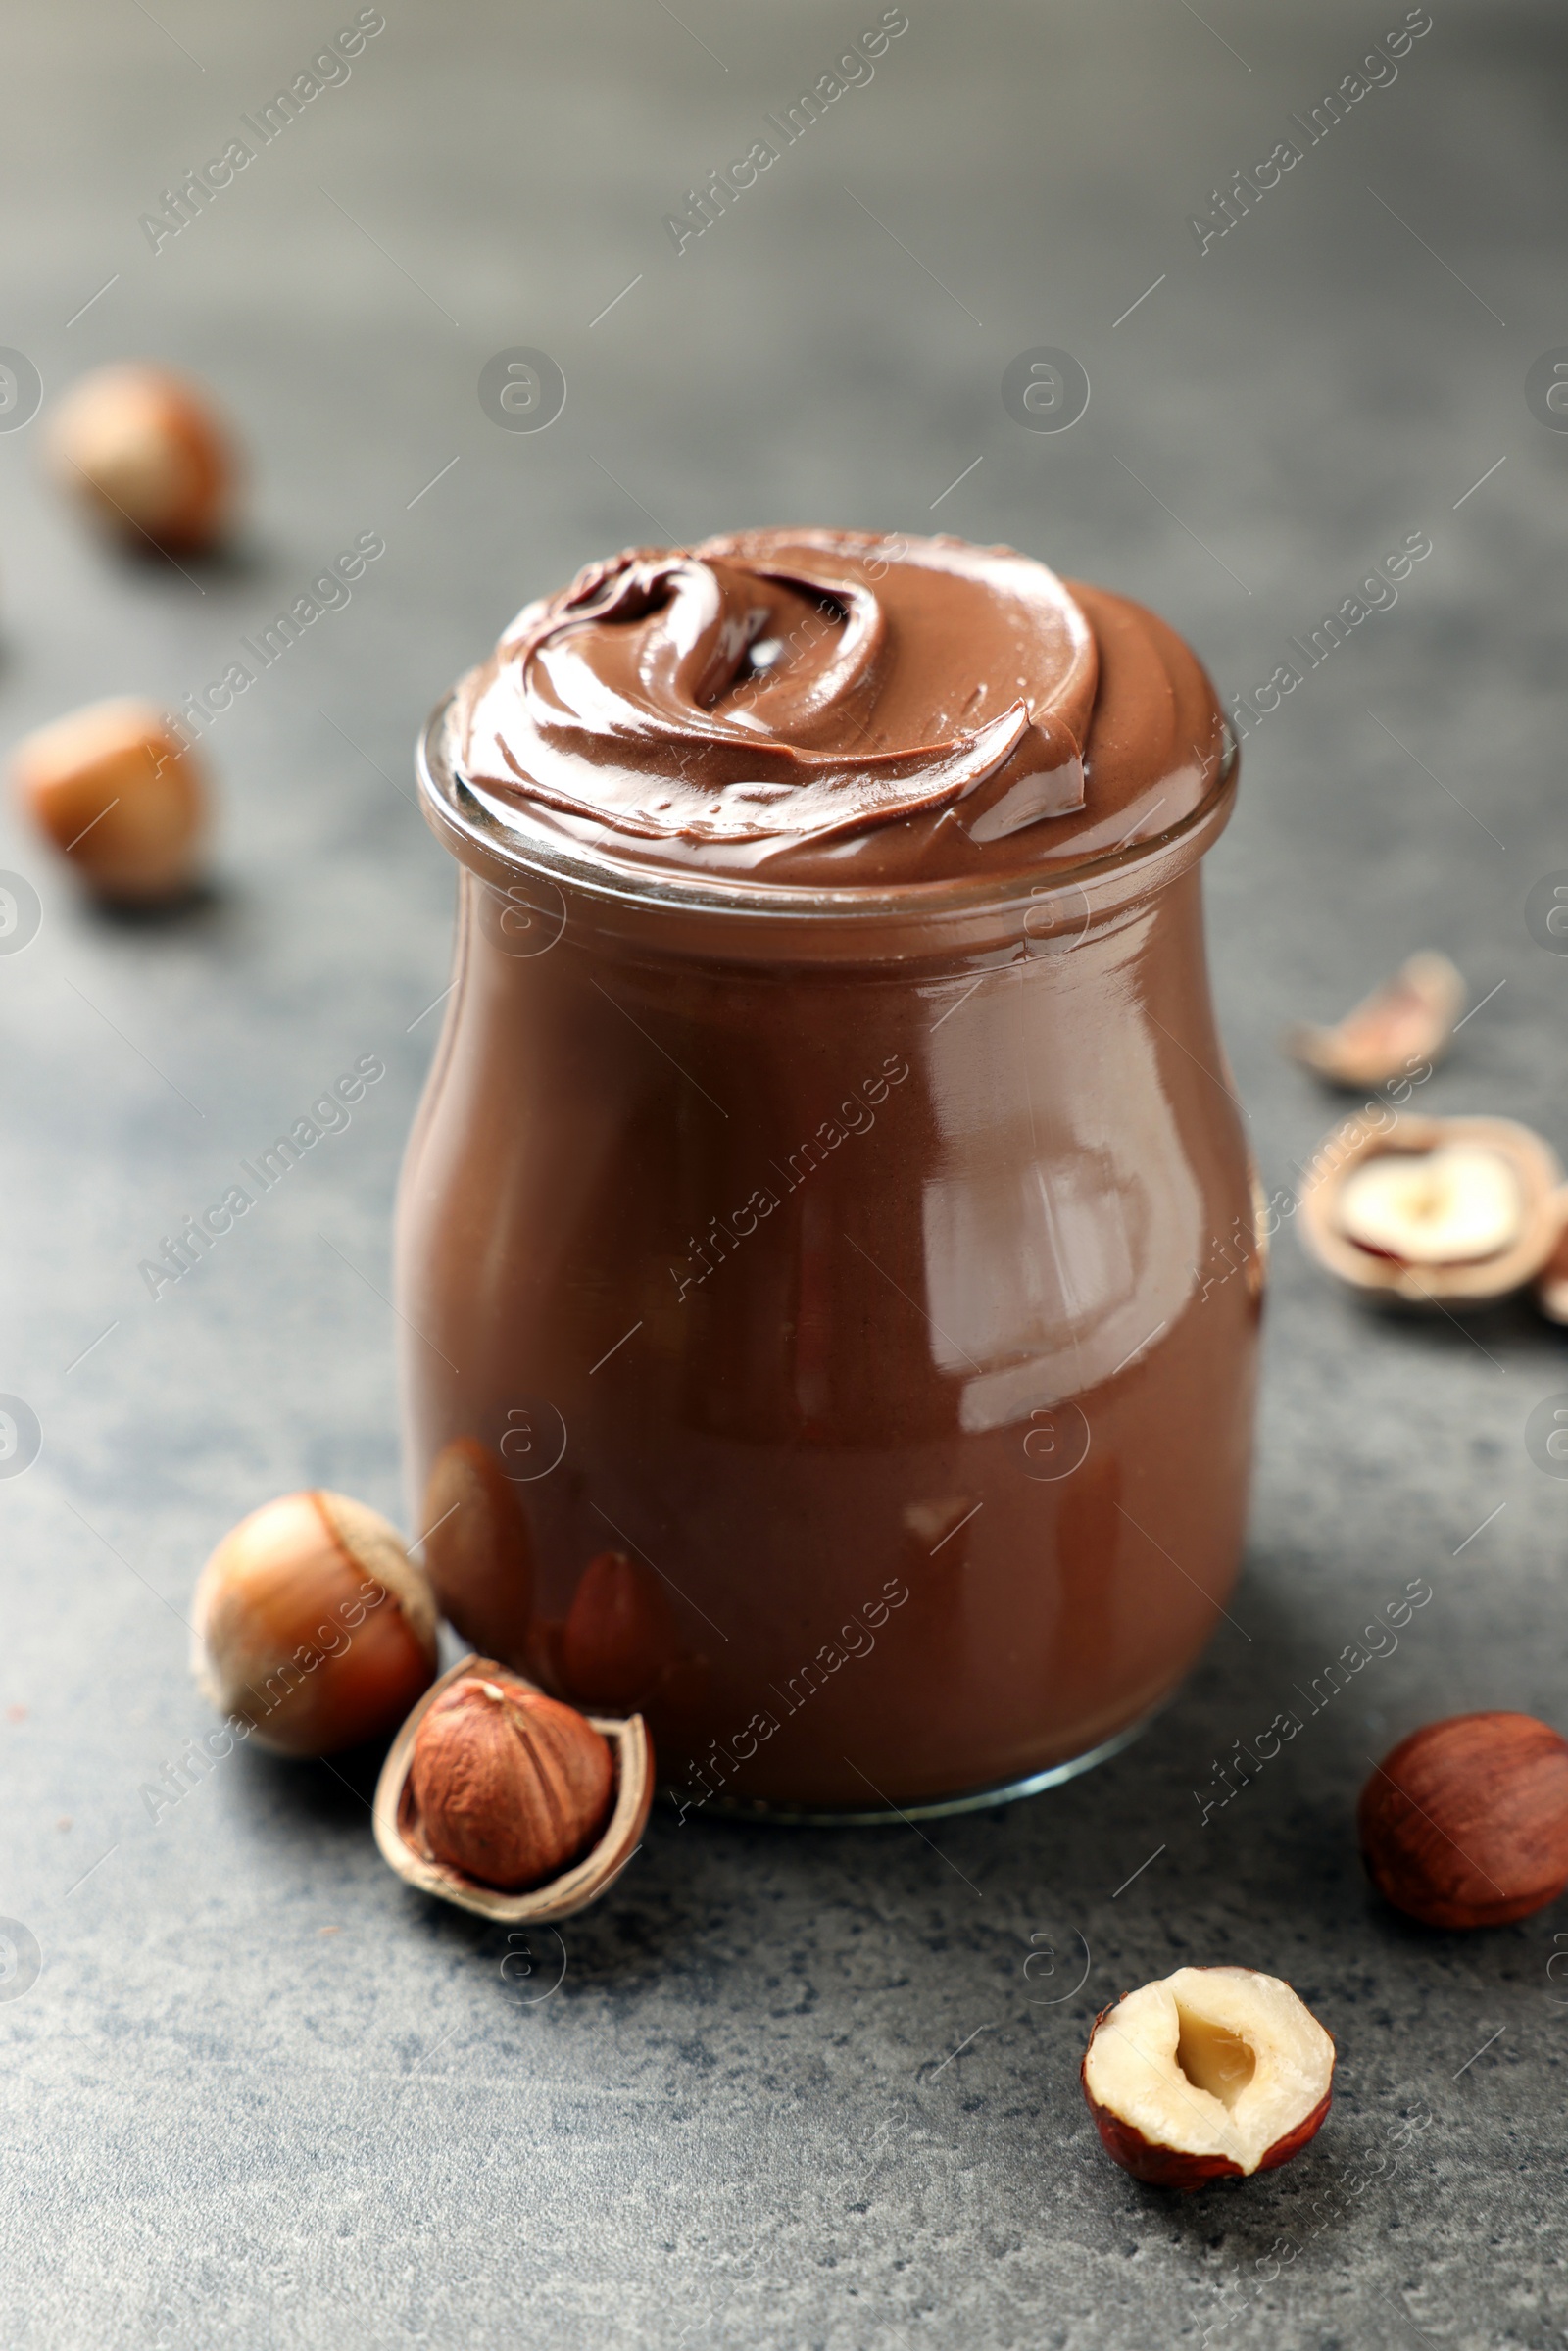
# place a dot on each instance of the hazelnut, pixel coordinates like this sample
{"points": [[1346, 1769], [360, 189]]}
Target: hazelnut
{"points": [[619, 1635], [506, 1785], [1408, 1020], [1444, 1208], [313, 1625], [1465, 1823], [1212, 2073], [478, 1551], [117, 792], [142, 450], [1432, 1211]]}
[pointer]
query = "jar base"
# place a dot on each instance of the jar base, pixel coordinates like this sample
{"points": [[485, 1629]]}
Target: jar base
{"points": [[929, 1808]]}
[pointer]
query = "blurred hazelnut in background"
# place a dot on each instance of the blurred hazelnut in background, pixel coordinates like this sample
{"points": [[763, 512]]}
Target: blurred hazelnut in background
{"points": [[145, 453], [118, 793]]}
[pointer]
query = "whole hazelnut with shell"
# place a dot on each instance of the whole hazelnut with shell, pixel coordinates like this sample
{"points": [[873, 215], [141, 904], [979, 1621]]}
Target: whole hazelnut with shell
{"points": [[143, 451], [117, 792], [313, 1625]]}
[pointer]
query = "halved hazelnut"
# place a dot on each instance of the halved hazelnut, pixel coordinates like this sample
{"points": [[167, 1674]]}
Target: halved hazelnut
{"points": [[1408, 1021], [1465, 1823], [1212, 2073], [118, 793], [1432, 1211], [1444, 1208], [142, 450]]}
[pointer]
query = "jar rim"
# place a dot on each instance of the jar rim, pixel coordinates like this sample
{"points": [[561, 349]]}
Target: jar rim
{"points": [[478, 837]]}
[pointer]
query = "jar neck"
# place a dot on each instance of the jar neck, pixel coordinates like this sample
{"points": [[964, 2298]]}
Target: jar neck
{"points": [[728, 920]]}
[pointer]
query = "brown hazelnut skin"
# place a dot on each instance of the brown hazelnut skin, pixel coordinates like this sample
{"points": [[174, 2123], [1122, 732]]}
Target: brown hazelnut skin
{"points": [[1174, 2167], [118, 793], [479, 1551], [1465, 1823], [312, 1625], [619, 1633], [507, 1784], [143, 451]]}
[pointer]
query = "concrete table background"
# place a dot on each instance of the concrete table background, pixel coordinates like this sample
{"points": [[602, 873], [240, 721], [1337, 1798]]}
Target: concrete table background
{"points": [[793, 2088]]}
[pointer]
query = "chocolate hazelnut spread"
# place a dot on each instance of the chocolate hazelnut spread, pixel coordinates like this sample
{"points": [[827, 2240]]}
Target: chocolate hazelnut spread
{"points": [[828, 1220], [795, 705]]}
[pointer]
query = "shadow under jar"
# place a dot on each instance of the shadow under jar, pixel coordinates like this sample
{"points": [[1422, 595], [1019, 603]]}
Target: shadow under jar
{"points": [[872, 1272]]}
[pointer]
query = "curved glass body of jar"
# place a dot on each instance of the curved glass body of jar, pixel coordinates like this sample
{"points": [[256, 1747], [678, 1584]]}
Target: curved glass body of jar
{"points": [[880, 1285]]}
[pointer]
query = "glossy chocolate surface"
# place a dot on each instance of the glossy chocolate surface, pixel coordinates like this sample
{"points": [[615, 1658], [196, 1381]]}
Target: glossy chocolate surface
{"points": [[833, 708]]}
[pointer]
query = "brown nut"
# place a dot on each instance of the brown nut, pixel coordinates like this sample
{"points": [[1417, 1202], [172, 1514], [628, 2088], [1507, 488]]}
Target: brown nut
{"points": [[313, 1625], [1465, 1823], [478, 1551], [508, 1786], [1212, 2073], [117, 792], [143, 452], [1406, 1021], [1432, 1211], [1454, 1205], [620, 1634]]}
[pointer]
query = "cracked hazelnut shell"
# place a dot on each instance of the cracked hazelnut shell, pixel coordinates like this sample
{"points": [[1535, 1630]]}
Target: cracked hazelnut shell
{"points": [[1465, 1823], [1210, 2074], [1408, 1019]]}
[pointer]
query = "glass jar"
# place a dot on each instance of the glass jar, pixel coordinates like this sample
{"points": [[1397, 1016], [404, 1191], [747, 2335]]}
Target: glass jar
{"points": [[831, 1326]]}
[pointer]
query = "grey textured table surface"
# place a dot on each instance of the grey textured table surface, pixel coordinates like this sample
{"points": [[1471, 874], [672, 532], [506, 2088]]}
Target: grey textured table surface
{"points": [[792, 2089]]}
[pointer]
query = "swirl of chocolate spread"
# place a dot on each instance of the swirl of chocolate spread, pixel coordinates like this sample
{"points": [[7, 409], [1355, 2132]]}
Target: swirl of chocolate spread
{"points": [[838, 709]]}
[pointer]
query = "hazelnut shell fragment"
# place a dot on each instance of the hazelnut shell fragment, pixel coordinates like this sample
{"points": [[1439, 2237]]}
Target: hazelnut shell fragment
{"points": [[142, 450], [116, 791], [312, 1625], [507, 1784], [1465, 1823], [1411, 1279], [1211, 2074], [1408, 1021]]}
